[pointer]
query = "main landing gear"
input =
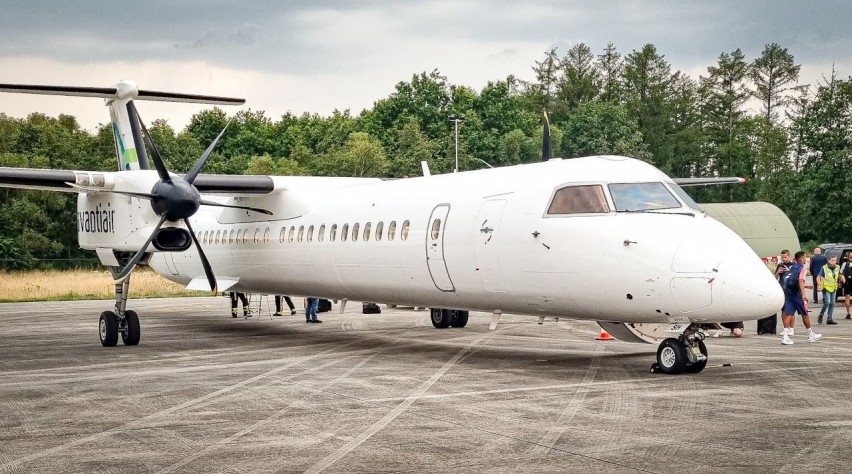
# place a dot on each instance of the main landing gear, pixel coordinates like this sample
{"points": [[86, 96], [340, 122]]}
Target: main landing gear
{"points": [[120, 321], [685, 353], [444, 318]]}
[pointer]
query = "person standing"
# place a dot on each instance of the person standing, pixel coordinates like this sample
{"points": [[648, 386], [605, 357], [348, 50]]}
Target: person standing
{"points": [[242, 297], [795, 300], [818, 260], [846, 281], [828, 280], [311, 310], [768, 327], [278, 305]]}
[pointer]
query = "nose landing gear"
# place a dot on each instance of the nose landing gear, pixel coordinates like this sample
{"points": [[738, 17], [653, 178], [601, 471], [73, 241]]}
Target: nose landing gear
{"points": [[686, 353]]}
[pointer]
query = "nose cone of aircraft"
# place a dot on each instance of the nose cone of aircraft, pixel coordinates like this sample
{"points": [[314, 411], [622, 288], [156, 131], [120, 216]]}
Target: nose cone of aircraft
{"points": [[750, 291]]}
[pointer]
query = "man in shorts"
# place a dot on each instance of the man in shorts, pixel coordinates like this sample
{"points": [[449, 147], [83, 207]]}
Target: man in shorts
{"points": [[795, 301]]}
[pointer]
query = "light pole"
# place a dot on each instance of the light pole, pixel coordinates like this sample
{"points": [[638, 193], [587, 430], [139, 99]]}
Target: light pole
{"points": [[456, 119]]}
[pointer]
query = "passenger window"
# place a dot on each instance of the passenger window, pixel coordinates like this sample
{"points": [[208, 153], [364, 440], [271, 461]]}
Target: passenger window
{"points": [[231, 237], [239, 236], [245, 236], [216, 239], [588, 199], [367, 227], [282, 234], [256, 235], [379, 228], [321, 233], [436, 229], [403, 234], [355, 228], [344, 232], [292, 234], [301, 232], [392, 230], [266, 236], [310, 233], [333, 233]]}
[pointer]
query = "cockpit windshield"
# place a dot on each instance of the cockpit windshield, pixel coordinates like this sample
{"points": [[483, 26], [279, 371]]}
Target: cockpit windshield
{"points": [[631, 197]]}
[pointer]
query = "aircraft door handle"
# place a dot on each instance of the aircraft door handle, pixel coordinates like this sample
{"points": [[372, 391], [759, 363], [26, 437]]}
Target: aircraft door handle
{"points": [[486, 230]]}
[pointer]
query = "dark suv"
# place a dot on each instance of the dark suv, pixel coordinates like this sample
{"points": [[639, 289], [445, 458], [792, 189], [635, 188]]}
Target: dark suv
{"points": [[841, 251]]}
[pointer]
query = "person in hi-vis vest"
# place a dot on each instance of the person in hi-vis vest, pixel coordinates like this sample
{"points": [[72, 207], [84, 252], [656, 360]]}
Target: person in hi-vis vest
{"points": [[827, 281]]}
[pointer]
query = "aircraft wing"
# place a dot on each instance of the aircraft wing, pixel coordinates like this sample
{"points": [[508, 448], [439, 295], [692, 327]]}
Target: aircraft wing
{"points": [[87, 181], [707, 181]]}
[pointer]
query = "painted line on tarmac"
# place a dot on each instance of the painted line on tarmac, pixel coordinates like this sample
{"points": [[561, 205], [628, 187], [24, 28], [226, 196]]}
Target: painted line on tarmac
{"points": [[548, 441], [268, 419], [393, 414], [142, 422]]}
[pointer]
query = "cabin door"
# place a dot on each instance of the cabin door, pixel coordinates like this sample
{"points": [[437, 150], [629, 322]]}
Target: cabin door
{"points": [[435, 248]]}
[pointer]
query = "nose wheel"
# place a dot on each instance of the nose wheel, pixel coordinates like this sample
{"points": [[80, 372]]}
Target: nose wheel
{"points": [[685, 353]]}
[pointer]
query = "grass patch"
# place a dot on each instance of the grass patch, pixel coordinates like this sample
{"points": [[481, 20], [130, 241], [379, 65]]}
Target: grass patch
{"points": [[62, 285]]}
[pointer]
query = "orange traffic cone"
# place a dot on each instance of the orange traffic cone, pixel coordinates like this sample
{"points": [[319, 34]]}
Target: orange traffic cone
{"points": [[605, 336]]}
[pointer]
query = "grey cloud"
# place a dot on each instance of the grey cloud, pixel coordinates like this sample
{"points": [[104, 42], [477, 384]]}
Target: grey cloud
{"points": [[305, 38]]}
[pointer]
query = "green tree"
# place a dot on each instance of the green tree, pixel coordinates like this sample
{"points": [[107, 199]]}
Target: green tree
{"points": [[727, 151], [580, 82], [602, 128], [611, 68], [361, 156], [774, 74]]}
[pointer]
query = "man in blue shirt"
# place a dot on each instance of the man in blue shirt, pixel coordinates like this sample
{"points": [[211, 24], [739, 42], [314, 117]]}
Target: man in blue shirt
{"points": [[817, 262]]}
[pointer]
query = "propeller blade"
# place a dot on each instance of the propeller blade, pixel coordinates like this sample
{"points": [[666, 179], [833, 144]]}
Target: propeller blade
{"points": [[196, 168], [133, 261], [546, 150], [211, 278], [254, 209], [158, 161]]}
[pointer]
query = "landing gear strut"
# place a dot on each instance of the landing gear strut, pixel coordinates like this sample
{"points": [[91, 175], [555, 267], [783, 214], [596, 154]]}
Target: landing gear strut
{"points": [[685, 353], [120, 321]]}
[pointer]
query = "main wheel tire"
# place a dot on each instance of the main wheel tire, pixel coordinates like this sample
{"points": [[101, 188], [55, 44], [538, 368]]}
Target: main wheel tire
{"points": [[108, 329], [440, 318], [698, 366], [671, 356], [133, 333], [460, 318]]}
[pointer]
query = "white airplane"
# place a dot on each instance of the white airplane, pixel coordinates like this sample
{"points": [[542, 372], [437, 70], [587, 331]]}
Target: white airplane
{"points": [[604, 238]]}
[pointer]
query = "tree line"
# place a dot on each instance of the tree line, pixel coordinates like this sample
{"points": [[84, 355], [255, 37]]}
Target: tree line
{"points": [[746, 117]]}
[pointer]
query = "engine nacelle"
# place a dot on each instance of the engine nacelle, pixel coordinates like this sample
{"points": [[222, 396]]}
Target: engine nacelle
{"points": [[120, 222]]}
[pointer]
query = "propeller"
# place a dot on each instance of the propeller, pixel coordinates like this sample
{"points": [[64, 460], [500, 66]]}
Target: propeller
{"points": [[174, 199], [546, 150]]}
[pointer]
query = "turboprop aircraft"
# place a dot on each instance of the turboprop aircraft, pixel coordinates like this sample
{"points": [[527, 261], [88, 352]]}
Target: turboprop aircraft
{"points": [[604, 238]]}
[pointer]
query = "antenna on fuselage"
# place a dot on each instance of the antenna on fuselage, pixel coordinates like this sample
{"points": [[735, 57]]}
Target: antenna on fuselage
{"points": [[546, 149]]}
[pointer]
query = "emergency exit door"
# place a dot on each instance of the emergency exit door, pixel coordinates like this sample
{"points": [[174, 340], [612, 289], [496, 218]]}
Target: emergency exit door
{"points": [[435, 248]]}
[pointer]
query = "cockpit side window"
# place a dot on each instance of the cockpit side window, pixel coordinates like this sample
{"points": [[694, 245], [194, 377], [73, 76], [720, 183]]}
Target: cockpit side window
{"points": [[642, 197], [584, 199], [685, 197]]}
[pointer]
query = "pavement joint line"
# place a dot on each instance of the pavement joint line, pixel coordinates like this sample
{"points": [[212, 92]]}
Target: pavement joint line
{"points": [[268, 419], [393, 414], [549, 439], [141, 421]]}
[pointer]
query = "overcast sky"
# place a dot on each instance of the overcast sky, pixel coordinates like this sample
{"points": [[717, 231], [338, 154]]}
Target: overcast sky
{"points": [[317, 56]]}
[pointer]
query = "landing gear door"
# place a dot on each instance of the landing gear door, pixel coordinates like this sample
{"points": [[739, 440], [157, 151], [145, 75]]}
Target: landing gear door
{"points": [[435, 248]]}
